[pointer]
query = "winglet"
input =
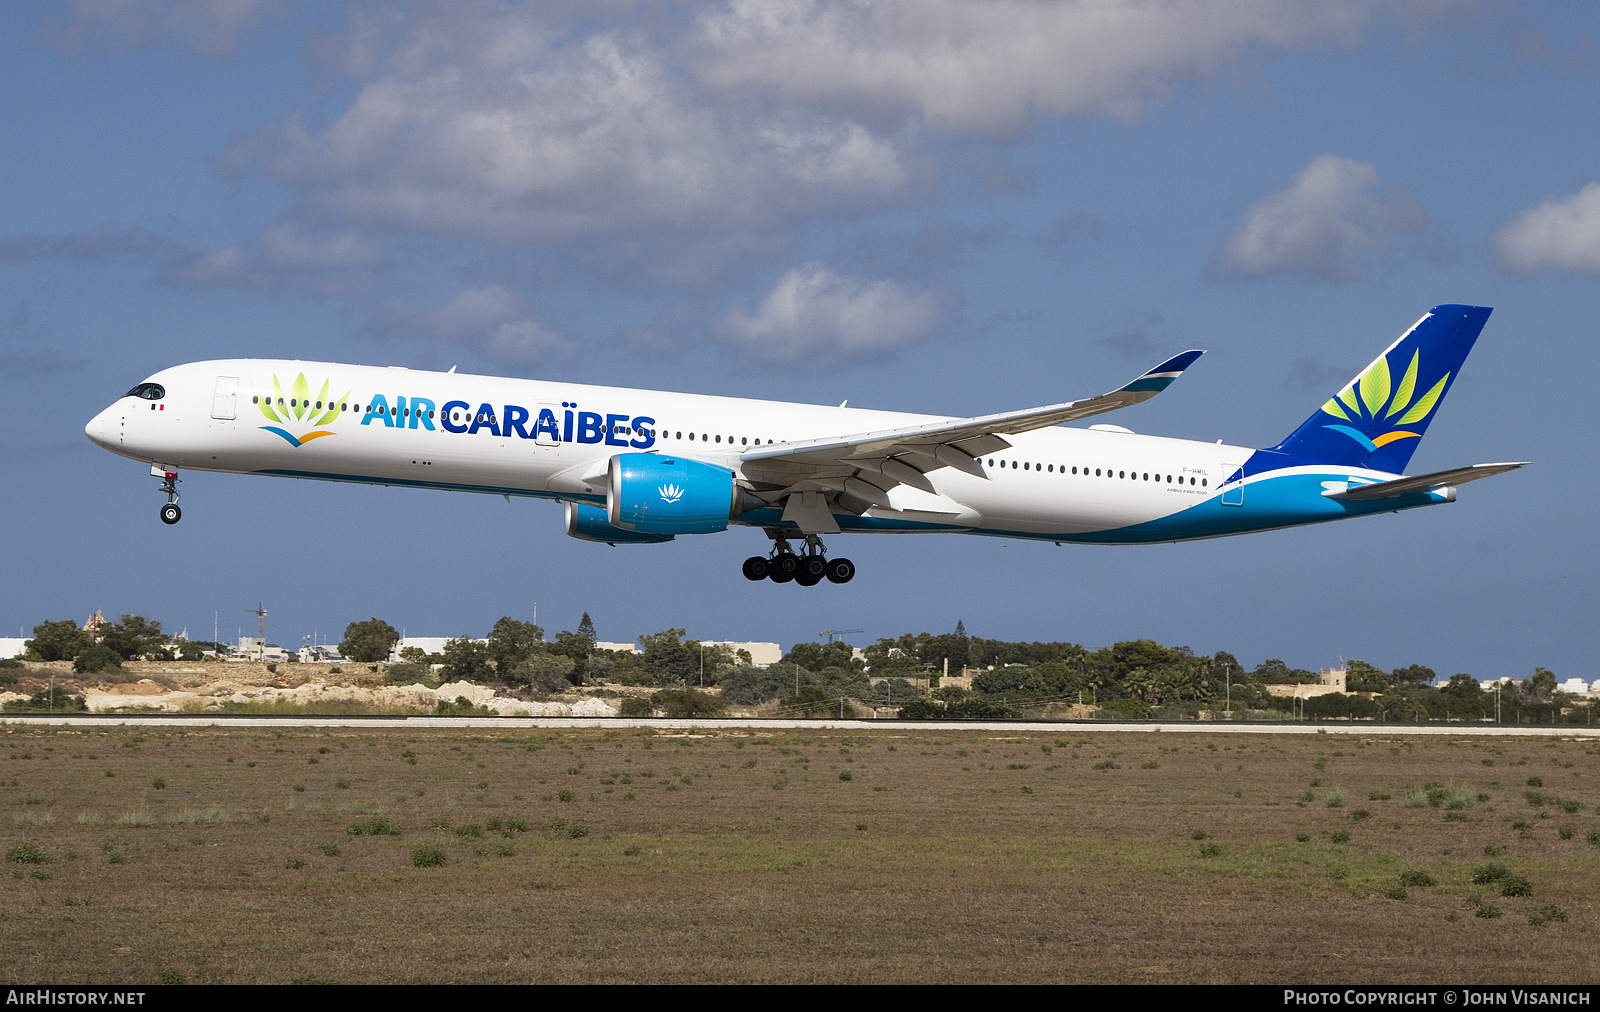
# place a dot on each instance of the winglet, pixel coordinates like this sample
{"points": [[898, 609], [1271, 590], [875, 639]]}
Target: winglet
{"points": [[1161, 377]]}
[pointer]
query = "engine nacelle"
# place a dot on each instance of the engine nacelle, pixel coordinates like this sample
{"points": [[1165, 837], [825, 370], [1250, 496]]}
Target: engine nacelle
{"points": [[589, 523], [652, 493]]}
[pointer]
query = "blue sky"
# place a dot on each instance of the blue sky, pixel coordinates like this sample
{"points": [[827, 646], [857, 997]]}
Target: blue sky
{"points": [[946, 206]]}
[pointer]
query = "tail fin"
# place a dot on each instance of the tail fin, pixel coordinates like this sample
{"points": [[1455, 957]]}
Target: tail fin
{"points": [[1379, 417]]}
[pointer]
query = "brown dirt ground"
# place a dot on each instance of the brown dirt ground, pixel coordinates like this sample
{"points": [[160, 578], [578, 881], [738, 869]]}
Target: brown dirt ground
{"points": [[733, 856]]}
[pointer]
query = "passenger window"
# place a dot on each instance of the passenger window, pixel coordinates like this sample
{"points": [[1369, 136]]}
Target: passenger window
{"points": [[1202, 482]]}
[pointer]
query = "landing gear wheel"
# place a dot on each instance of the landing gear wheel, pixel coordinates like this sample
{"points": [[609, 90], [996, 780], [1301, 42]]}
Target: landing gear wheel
{"points": [[783, 567], [170, 513], [755, 568], [806, 578], [840, 570], [813, 568]]}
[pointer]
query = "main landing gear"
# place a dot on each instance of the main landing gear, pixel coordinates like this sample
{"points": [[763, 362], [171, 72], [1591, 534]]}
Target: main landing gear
{"points": [[170, 513], [808, 568]]}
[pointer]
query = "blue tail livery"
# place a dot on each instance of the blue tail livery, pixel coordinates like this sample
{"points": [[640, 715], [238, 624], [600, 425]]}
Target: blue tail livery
{"points": [[1379, 417]]}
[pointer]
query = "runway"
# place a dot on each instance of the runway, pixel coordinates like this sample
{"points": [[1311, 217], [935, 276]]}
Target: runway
{"points": [[198, 721]]}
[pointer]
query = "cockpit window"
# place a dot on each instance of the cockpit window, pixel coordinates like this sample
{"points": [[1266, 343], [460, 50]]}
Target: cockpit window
{"points": [[148, 391]]}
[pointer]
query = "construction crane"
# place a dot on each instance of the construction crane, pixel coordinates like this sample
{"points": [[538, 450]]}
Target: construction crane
{"points": [[831, 633], [261, 629]]}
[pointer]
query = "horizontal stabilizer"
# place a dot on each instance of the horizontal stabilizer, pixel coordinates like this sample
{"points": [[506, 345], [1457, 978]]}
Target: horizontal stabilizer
{"points": [[1425, 482]]}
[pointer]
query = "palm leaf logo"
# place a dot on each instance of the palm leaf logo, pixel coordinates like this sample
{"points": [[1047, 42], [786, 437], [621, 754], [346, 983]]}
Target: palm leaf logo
{"points": [[300, 410], [1373, 398]]}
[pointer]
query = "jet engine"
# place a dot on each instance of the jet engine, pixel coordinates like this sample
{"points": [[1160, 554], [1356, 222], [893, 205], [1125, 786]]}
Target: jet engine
{"points": [[654, 494], [589, 523]]}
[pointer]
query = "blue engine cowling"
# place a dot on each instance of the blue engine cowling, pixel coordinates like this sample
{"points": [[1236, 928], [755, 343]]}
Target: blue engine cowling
{"points": [[652, 493], [589, 523]]}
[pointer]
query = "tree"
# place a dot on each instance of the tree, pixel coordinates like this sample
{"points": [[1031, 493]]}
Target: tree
{"points": [[57, 641], [467, 660], [512, 642], [586, 629], [546, 673], [368, 641], [1463, 686], [135, 636], [666, 658], [1415, 674], [1540, 687], [579, 648], [687, 704], [97, 658]]}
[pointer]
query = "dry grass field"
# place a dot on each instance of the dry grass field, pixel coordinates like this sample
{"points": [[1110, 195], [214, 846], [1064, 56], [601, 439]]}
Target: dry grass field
{"points": [[286, 855]]}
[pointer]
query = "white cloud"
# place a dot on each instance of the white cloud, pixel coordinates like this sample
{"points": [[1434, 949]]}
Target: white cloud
{"points": [[285, 256], [492, 319], [508, 137], [991, 67], [815, 317], [1557, 235], [1324, 224]]}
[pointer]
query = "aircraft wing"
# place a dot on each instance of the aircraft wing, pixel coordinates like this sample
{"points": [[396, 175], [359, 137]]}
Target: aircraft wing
{"points": [[1425, 482], [866, 465]]}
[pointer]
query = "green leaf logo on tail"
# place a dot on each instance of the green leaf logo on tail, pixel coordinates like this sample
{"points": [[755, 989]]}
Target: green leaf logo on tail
{"points": [[1372, 399], [299, 410]]}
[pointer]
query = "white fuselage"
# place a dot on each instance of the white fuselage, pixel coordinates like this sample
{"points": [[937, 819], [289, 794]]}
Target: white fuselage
{"points": [[397, 426]]}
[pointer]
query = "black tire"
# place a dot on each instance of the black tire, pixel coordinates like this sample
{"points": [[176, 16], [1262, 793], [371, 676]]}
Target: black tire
{"points": [[171, 514], [814, 567], [841, 570], [783, 567], [805, 578], [755, 568]]}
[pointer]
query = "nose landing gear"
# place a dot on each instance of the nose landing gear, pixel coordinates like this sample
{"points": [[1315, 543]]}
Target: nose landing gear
{"points": [[170, 513], [807, 568]]}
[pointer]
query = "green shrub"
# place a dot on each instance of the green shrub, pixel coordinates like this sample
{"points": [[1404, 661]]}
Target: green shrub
{"points": [[1359, 814], [1437, 797], [294, 862], [845, 775], [1302, 837], [1486, 910], [687, 704], [159, 784], [1566, 832], [27, 853], [172, 976], [1414, 798], [1396, 892], [1416, 878], [1545, 914], [1335, 798], [329, 849], [1487, 874], [1210, 850], [97, 658], [471, 829], [429, 857], [1198, 834], [1535, 781], [1516, 885], [636, 706], [373, 825], [1340, 836]]}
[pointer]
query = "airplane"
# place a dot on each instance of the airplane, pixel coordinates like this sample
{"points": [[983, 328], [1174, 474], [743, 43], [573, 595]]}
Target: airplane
{"points": [[643, 466]]}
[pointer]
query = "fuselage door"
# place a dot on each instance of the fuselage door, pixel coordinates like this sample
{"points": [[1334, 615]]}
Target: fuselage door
{"points": [[225, 397], [547, 425], [1233, 491]]}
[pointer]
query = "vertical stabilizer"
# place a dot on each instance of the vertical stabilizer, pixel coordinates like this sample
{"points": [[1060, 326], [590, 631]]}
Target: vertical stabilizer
{"points": [[1379, 417]]}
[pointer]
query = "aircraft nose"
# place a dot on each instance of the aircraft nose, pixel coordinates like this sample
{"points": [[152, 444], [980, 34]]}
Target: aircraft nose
{"points": [[101, 429]]}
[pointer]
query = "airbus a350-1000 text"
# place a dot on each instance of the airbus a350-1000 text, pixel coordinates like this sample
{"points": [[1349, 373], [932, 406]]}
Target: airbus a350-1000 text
{"points": [[643, 466]]}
